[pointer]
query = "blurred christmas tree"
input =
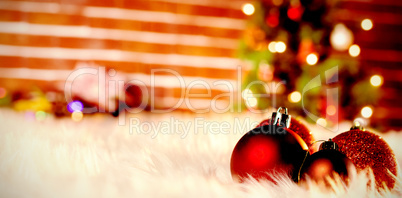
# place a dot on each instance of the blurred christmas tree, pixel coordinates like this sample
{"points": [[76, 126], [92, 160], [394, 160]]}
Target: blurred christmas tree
{"points": [[301, 45]]}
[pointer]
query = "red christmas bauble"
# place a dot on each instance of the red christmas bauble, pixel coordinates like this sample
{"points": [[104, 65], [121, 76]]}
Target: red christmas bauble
{"points": [[368, 150], [267, 151], [327, 162], [297, 127]]}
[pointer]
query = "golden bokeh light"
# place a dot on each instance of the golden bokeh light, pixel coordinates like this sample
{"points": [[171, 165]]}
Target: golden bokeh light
{"points": [[331, 110], [271, 46], [251, 102], [354, 50], [294, 97], [341, 37], [248, 9], [77, 116], [280, 47], [367, 24], [312, 59], [321, 122], [367, 112], [376, 80], [246, 93]]}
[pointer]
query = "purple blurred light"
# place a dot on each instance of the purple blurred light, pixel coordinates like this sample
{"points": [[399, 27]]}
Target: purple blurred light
{"points": [[75, 106]]}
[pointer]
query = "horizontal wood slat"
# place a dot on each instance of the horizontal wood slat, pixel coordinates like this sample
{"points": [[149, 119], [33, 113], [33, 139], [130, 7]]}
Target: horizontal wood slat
{"points": [[64, 64], [179, 7], [66, 42], [80, 20]]}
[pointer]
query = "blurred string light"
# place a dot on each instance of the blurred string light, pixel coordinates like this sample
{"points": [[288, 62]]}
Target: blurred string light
{"points": [[3, 92], [252, 101], [265, 72], [331, 110], [367, 112], [367, 24], [360, 122], [354, 50], [277, 46], [312, 59], [248, 96], [248, 9], [321, 122], [40, 115], [75, 106], [294, 97], [295, 12], [271, 46], [341, 37], [277, 2], [376, 80], [77, 116], [280, 47], [246, 93]]}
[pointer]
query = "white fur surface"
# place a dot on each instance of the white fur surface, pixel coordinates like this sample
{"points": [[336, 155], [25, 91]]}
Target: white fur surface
{"points": [[98, 158]]}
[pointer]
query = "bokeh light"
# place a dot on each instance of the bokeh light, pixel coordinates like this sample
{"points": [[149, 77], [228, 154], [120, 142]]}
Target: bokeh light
{"points": [[3, 92], [280, 47], [248, 96], [367, 111], [295, 13], [246, 93], [376, 80], [294, 97], [321, 122], [40, 115], [277, 2], [271, 46], [77, 116], [331, 110], [248, 9], [367, 24], [341, 37], [30, 116], [360, 122], [251, 102], [75, 106], [312, 59], [354, 50]]}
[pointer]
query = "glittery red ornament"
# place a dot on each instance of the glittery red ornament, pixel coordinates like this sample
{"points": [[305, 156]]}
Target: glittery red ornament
{"points": [[297, 127], [366, 149], [267, 151], [327, 162]]}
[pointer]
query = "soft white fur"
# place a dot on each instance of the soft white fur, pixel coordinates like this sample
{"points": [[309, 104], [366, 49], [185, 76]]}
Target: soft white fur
{"points": [[98, 158]]}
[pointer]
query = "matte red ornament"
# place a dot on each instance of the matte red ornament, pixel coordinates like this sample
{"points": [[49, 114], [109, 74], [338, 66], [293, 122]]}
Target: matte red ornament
{"points": [[268, 151], [297, 127], [328, 162], [368, 150]]}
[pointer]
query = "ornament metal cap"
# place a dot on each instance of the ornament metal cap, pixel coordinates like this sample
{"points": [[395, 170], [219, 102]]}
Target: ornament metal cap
{"points": [[282, 118], [357, 125], [329, 145]]}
